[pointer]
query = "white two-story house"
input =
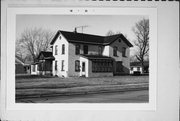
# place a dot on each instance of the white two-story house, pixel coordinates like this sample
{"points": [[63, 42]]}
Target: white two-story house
{"points": [[79, 54]]}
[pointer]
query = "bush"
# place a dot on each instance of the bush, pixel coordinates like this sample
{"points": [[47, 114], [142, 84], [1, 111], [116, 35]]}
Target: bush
{"points": [[137, 73]]}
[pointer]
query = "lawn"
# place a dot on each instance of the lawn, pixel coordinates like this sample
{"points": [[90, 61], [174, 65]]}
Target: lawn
{"points": [[35, 87]]}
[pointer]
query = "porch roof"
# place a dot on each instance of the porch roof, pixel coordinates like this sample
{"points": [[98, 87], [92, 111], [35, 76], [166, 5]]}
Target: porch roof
{"points": [[91, 57], [146, 63], [83, 38], [45, 56]]}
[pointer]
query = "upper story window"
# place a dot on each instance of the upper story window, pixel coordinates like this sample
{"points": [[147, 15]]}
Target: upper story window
{"points": [[63, 48], [115, 51], [100, 50], [56, 50], [77, 50], [124, 52], [85, 49]]}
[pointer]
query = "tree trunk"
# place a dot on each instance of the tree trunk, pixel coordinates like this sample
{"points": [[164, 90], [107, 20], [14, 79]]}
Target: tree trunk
{"points": [[142, 64]]}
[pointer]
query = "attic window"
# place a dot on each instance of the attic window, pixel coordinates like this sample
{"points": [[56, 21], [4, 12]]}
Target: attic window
{"points": [[59, 37], [119, 40]]}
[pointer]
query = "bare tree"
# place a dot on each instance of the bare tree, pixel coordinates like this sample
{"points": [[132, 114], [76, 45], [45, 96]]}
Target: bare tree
{"points": [[141, 31], [133, 58], [110, 32], [32, 42]]}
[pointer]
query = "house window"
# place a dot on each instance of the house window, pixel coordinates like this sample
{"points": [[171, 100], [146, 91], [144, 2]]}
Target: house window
{"points": [[77, 51], [115, 51], [85, 48], [34, 68], [131, 68], [119, 40], [100, 50], [101, 66], [63, 49], [77, 65], [124, 52], [62, 65], [55, 65], [56, 50], [138, 68]]}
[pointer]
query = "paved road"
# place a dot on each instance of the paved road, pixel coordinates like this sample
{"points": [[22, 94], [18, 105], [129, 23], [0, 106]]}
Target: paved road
{"points": [[121, 97]]}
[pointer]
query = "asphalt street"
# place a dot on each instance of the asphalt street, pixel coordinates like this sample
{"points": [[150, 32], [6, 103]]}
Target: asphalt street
{"points": [[118, 97]]}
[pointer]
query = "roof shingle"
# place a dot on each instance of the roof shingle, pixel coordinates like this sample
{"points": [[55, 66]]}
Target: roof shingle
{"points": [[90, 39]]}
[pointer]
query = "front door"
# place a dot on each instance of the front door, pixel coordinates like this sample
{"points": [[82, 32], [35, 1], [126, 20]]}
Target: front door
{"points": [[83, 69], [119, 66]]}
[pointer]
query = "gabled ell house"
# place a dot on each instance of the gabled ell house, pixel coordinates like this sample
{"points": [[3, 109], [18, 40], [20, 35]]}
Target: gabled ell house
{"points": [[78, 54], [44, 64]]}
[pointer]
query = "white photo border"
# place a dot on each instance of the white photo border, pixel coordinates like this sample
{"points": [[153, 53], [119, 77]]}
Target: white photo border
{"points": [[10, 75]]}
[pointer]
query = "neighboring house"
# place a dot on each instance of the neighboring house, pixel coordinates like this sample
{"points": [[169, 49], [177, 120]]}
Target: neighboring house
{"points": [[136, 67], [78, 54], [35, 68], [21, 67], [44, 64]]}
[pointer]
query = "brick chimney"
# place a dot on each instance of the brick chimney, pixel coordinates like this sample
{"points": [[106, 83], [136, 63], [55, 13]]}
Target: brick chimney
{"points": [[75, 30]]}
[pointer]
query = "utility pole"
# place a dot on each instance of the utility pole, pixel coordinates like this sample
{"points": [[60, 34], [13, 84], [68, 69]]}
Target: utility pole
{"points": [[82, 28]]}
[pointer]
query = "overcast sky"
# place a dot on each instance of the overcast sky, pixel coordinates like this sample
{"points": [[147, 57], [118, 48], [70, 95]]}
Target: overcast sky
{"points": [[98, 25]]}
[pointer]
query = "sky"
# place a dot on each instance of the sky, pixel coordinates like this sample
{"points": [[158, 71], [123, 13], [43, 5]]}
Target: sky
{"points": [[97, 24]]}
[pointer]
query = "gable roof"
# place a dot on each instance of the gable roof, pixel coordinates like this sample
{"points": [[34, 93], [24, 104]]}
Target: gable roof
{"points": [[75, 37], [146, 63], [18, 60], [46, 55]]}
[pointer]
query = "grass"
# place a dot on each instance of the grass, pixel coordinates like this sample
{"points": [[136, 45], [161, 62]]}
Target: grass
{"points": [[67, 86]]}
